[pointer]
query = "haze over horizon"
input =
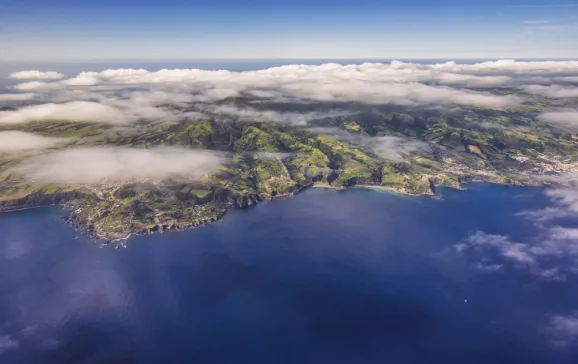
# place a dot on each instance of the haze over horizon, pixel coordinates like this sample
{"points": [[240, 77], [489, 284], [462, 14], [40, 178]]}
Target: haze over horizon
{"points": [[34, 30]]}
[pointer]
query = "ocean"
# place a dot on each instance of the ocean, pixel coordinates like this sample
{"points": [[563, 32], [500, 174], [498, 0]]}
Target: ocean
{"points": [[357, 276]]}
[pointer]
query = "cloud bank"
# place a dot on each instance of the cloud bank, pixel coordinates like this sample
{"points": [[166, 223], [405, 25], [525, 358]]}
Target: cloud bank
{"points": [[16, 97], [71, 111], [113, 112], [550, 254], [95, 165], [571, 79], [548, 257], [389, 147], [251, 114], [35, 85], [567, 118], [565, 204], [32, 74], [510, 66], [397, 83], [396, 148], [553, 91], [11, 141], [372, 83]]}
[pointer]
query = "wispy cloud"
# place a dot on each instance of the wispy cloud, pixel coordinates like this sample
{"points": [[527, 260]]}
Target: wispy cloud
{"points": [[16, 97], [11, 141], [33, 74], [572, 79], [122, 96], [564, 200], [372, 83], [554, 91], [544, 257], [563, 329], [111, 112], [389, 147], [7, 343], [516, 252], [95, 165], [510, 66], [396, 148], [550, 253], [568, 118], [250, 114]]}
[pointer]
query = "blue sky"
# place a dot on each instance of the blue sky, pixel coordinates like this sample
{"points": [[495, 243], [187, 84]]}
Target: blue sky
{"points": [[209, 29]]}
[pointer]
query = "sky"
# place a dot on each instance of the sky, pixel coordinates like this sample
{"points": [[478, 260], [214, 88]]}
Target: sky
{"points": [[39, 30]]}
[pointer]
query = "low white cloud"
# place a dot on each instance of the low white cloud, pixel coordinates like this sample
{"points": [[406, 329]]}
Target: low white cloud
{"points": [[553, 91], [400, 83], [375, 83], [396, 148], [71, 111], [411, 94], [251, 114], [389, 147], [111, 112], [571, 79], [568, 118], [565, 197], [566, 179], [18, 141], [133, 111], [156, 98], [333, 131], [32, 74], [490, 125], [35, 85], [81, 80], [510, 66], [563, 329], [95, 165], [564, 200], [549, 255], [16, 97], [515, 252]]}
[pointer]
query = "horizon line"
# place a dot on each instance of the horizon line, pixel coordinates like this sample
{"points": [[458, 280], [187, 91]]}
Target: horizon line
{"points": [[282, 59]]}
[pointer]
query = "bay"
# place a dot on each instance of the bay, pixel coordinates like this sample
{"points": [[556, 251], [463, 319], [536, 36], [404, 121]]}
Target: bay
{"points": [[358, 276]]}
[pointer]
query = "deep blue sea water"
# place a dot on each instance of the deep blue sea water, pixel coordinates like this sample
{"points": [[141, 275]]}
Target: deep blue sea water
{"points": [[359, 276]]}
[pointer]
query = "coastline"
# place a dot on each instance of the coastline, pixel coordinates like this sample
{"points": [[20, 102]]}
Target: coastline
{"points": [[304, 188], [369, 187], [121, 239], [327, 186]]}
